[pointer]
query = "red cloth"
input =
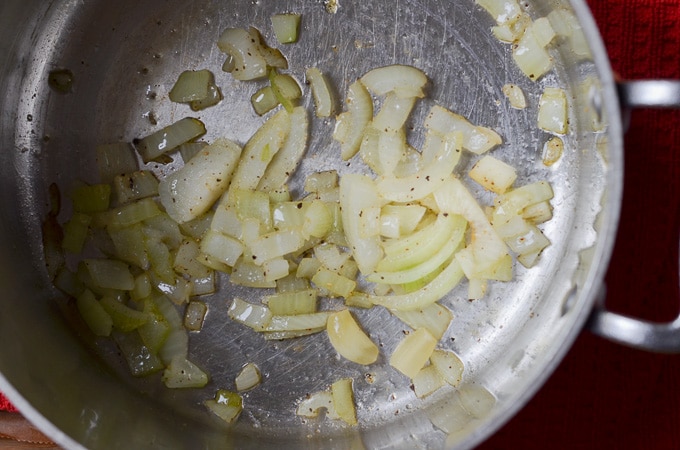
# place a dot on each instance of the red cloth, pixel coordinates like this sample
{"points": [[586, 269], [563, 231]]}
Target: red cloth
{"points": [[604, 395], [5, 405]]}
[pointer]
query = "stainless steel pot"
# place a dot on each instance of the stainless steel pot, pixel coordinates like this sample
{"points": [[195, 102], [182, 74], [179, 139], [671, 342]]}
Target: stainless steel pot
{"points": [[124, 57]]}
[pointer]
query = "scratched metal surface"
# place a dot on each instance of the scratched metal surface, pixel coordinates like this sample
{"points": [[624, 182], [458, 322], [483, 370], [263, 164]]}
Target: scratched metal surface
{"points": [[126, 56]]}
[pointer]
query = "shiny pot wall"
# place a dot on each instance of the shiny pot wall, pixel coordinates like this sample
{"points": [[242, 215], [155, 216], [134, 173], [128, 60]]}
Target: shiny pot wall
{"points": [[125, 56]]}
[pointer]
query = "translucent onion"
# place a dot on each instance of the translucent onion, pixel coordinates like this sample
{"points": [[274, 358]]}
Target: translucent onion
{"points": [[286, 27], [493, 174], [435, 318], [343, 400], [349, 340], [350, 125], [413, 352], [248, 377], [404, 81], [449, 366], [552, 110], [324, 101], [182, 373], [248, 62], [427, 381], [169, 138], [226, 405], [515, 96], [190, 191]]}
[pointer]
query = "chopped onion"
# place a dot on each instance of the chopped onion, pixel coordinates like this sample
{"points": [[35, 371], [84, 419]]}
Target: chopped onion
{"points": [[334, 284], [259, 151], [393, 113], [552, 150], [114, 159], [292, 303], [530, 56], [191, 190], [552, 110], [93, 313], [477, 400], [343, 400], [195, 315], [312, 405], [182, 373], [109, 273], [76, 232], [135, 186], [493, 174], [254, 316], [449, 366], [475, 139], [226, 405], [264, 100], [191, 85], [502, 11], [285, 88], [543, 31], [169, 138], [248, 377], [435, 318], [324, 102], [91, 198], [413, 352], [285, 161], [248, 62], [427, 381], [350, 125], [515, 96], [349, 340], [286, 27], [404, 81]]}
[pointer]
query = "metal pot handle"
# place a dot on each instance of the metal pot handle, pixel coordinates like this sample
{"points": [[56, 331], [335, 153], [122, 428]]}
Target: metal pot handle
{"points": [[641, 334]]}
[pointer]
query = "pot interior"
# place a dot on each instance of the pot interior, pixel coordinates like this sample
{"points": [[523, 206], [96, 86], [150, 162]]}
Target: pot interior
{"points": [[125, 57]]}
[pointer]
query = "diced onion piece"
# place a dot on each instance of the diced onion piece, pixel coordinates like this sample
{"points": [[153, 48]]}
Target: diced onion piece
{"points": [[298, 322], [312, 405], [515, 96], [286, 27], [513, 202], [195, 315], [393, 113], [436, 289], [486, 248], [324, 101], [254, 316], [93, 313], [275, 269], [552, 150], [543, 31], [248, 377], [247, 273], [213, 98], [248, 64], [449, 366], [259, 151], [566, 24], [429, 178], [276, 244], [552, 110], [435, 318], [272, 56], [91, 198], [349, 340], [110, 274], [75, 232], [226, 405], [511, 31], [398, 220], [285, 88], [413, 352], [502, 11], [427, 381], [358, 192], [191, 85], [450, 416], [292, 303], [343, 400], [169, 138], [140, 360], [191, 191], [186, 262], [350, 125], [330, 256], [264, 100], [129, 244], [318, 219], [221, 247], [135, 186], [123, 317], [477, 400], [538, 212], [530, 56], [404, 81], [114, 159], [333, 283], [321, 181], [493, 174], [285, 161], [182, 373], [531, 241], [476, 139]]}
